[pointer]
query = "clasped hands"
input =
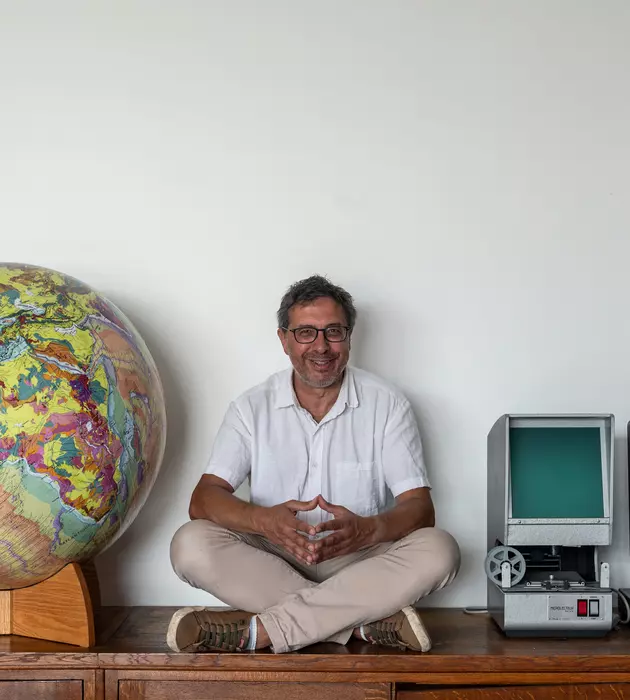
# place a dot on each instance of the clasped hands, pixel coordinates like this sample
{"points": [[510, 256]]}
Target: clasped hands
{"points": [[349, 531]]}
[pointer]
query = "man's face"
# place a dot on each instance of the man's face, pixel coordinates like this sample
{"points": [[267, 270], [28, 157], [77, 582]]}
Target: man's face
{"points": [[321, 363]]}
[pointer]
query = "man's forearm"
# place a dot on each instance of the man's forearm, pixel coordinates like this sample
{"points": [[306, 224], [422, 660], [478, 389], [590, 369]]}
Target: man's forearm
{"points": [[217, 505], [401, 520]]}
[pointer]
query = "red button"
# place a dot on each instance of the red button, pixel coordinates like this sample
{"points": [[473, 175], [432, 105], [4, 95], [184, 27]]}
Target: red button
{"points": [[582, 606]]}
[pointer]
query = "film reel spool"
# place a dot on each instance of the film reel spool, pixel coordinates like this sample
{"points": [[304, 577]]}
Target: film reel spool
{"points": [[496, 556]]}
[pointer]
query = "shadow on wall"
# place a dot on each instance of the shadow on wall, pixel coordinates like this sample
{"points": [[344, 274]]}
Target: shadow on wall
{"points": [[144, 533], [621, 512], [384, 331], [380, 332]]}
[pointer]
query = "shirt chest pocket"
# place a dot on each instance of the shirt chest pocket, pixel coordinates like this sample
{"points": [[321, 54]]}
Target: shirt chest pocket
{"points": [[354, 485]]}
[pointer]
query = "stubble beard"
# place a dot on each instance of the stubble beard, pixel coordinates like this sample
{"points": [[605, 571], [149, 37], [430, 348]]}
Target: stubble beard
{"points": [[319, 383], [323, 383]]}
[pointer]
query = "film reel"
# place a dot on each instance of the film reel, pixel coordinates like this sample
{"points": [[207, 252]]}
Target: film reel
{"points": [[496, 556]]}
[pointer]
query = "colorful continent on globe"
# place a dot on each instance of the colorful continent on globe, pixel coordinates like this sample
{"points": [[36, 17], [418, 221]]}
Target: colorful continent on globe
{"points": [[82, 423]]}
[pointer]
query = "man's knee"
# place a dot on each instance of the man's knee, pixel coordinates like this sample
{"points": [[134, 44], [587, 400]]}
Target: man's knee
{"points": [[440, 555], [191, 546], [447, 554]]}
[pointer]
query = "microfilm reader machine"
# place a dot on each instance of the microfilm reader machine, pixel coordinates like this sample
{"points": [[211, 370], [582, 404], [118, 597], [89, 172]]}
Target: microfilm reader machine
{"points": [[549, 509]]}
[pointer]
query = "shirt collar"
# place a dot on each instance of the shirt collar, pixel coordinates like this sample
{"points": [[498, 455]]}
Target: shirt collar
{"points": [[285, 393]]}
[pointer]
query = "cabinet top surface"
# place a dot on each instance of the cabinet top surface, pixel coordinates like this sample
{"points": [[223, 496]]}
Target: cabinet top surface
{"points": [[461, 643]]}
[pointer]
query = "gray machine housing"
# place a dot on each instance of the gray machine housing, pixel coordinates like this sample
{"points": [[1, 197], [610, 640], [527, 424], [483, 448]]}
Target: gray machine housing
{"points": [[549, 603]]}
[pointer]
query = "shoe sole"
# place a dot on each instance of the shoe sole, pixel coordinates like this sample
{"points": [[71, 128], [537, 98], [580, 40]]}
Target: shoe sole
{"points": [[418, 628], [171, 633]]}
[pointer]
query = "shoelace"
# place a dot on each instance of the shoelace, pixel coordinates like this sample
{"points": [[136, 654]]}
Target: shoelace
{"points": [[225, 636], [385, 633]]}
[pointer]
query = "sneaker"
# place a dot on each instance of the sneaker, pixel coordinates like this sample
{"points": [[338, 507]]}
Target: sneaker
{"points": [[403, 630], [208, 629]]}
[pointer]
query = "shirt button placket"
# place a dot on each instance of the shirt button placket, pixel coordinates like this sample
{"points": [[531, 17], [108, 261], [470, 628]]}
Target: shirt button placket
{"points": [[317, 452], [312, 477]]}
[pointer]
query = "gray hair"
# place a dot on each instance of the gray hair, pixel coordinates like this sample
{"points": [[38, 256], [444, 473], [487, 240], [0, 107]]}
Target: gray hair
{"points": [[311, 288]]}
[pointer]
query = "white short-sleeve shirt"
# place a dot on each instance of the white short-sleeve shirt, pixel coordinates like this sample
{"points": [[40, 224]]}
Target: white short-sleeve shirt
{"points": [[364, 451]]}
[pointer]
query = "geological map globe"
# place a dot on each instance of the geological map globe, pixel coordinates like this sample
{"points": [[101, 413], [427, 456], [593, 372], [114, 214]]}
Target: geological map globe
{"points": [[82, 423]]}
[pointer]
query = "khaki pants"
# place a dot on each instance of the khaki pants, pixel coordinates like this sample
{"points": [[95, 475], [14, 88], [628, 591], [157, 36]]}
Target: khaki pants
{"points": [[300, 604]]}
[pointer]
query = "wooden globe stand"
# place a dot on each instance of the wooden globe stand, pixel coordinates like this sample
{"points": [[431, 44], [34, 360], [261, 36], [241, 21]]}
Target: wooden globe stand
{"points": [[58, 609]]}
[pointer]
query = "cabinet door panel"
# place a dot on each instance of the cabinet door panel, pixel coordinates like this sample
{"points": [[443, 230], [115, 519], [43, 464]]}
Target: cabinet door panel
{"points": [[236, 690], [41, 690], [586, 691]]}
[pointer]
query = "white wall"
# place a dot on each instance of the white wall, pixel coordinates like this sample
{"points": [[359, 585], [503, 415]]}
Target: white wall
{"points": [[461, 167]]}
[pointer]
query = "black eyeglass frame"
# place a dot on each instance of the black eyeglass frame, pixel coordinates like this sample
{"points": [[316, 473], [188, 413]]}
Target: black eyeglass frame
{"points": [[319, 330]]}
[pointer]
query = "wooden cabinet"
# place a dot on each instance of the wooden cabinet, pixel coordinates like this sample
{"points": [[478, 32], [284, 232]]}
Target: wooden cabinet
{"points": [[585, 691]]}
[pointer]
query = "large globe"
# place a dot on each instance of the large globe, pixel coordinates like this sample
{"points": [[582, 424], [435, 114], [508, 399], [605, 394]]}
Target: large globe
{"points": [[82, 423]]}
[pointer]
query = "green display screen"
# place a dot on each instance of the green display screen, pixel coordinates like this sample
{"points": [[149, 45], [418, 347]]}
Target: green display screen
{"points": [[556, 472]]}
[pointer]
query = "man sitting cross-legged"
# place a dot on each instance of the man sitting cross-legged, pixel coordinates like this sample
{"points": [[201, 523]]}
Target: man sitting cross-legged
{"points": [[338, 538]]}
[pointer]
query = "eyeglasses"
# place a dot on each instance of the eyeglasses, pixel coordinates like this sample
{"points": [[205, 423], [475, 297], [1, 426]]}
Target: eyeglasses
{"points": [[308, 334]]}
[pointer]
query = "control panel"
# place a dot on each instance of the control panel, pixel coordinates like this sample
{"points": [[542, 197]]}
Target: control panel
{"points": [[588, 607], [574, 607]]}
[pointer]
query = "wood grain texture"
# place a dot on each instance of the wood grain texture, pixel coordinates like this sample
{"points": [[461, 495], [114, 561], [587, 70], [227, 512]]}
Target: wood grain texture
{"points": [[593, 691], [94, 686], [200, 690], [58, 609], [39, 653], [5, 612], [427, 680], [91, 680], [111, 685], [41, 690]]}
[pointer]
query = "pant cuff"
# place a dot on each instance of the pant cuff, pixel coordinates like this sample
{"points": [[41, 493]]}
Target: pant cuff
{"points": [[278, 640], [342, 637]]}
